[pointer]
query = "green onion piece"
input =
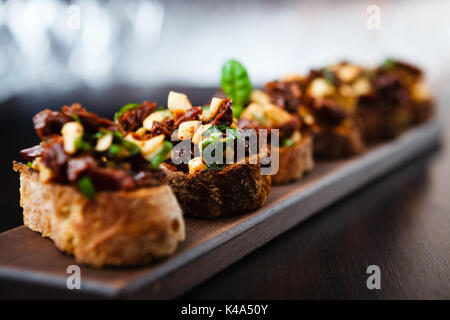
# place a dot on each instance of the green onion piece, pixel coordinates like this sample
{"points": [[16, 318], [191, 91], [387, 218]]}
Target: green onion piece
{"points": [[329, 75], [100, 133], [86, 187], [161, 155], [389, 63], [215, 136], [118, 151], [83, 145], [125, 108], [286, 142], [118, 134], [131, 147]]}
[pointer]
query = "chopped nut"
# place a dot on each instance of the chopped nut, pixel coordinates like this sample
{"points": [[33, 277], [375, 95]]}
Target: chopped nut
{"points": [[156, 116], [348, 72], [213, 109], [259, 97], [148, 147], [141, 131], [187, 129], [320, 88], [198, 135], [277, 117], [177, 101], [104, 142], [293, 77], [361, 87], [70, 132], [419, 91], [196, 164], [151, 146], [296, 137], [45, 173]]}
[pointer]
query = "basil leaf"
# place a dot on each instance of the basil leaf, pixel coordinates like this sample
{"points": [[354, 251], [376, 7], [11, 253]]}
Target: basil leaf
{"points": [[125, 108], [237, 111], [236, 85], [161, 154], [86, 187]]}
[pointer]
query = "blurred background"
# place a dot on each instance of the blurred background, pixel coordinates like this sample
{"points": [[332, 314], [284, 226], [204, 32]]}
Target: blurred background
{"points": [[110, 52]]}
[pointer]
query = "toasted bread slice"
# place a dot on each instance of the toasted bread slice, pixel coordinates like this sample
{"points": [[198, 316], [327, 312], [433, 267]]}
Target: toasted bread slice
{"points": [[377, 124], [212, 193], [116, 228], [294, 161], [338, 142], [422, 111]]}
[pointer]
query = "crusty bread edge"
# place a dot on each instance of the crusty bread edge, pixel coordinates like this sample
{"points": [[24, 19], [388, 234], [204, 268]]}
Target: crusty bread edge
{"points": [[238, 188], [294, 161], [116, 228]]}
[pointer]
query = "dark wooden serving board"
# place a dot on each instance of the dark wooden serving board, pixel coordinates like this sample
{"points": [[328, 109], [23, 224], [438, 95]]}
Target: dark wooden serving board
{"points": [[30, 266]]}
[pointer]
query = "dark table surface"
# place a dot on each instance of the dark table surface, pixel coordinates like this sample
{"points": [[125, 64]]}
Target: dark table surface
{"points": [[400, 222]]}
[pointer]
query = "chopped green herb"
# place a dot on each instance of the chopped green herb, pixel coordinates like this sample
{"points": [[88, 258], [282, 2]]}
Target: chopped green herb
{"points": [[82, 145], [286, 142], [205, 109], [131, 147], [329, 75], [30, 164], [213, 134], [125, 108], [118, 134], [214, 137], [236, 85], [160, 108], [216, 166], [86, 187], [389, 63], [100, 134], [76, 117], [118, 151], [122, 148], [161, 155]]}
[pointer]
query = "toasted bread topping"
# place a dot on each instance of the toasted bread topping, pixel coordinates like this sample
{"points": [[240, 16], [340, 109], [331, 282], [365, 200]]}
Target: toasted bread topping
{"points": [[90, 152]]}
